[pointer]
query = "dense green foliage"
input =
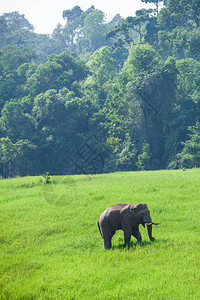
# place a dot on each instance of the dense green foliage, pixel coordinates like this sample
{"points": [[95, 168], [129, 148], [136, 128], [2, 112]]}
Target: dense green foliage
{"points": [[99, 96], [50, 246]]}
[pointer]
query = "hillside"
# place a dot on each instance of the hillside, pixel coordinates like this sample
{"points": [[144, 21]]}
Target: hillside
{"points": [[50, 247]]}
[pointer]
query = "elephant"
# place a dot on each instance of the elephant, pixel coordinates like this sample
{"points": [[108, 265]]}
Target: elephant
{"points": [[127, 217]]}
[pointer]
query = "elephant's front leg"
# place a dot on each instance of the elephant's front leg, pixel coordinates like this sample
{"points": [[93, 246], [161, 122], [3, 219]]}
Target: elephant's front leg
{"points": [[127, 235], [136, 234]]}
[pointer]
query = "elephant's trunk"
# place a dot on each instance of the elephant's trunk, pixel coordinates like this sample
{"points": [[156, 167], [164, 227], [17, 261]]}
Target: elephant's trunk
{"points": [[149, 228]]}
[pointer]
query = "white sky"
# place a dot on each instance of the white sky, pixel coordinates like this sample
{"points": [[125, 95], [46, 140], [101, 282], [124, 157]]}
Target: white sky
{"points": [[44, 15]]}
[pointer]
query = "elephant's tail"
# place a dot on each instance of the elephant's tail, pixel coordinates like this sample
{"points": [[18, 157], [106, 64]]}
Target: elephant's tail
{"points": [[99, 229]]}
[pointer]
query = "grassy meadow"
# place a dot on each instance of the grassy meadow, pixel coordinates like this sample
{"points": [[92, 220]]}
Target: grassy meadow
{"points": [[50, 246]]}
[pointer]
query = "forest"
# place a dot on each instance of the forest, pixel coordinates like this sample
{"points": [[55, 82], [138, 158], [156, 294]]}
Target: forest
{"points": [[100, 96]]}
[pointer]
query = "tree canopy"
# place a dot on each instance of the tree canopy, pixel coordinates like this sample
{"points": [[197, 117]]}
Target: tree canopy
{"points": [[101, 96]]}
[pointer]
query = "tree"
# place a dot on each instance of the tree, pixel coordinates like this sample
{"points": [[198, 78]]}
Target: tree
{"points": [[61, 119], [142, 16], [84, 30], [140, 28], [152, 86], [15, 30], [180, 13], [126, 27], [187, 106], [7, 155], [10, 60], [151, 32], [190, 155], [102, 69], [131, 100], [194, 42], [119, 53], [181, 19], [25, 159], [141, 60], [16, 124], [59, 71], [74, 24], [95, 28], [102, 66], [72, 15], [12, 28], [144, 157], [156, 3]]}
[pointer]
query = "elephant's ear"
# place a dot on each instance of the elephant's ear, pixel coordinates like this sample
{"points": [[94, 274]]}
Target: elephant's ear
{"points": [[132, 209], [136, 208]]}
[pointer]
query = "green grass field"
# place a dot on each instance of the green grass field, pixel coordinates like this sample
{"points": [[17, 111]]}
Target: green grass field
{"points": [[50, 246]]}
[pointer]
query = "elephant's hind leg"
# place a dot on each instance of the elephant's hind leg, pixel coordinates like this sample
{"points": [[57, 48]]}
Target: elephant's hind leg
{"points": [[107, 243], [127, 236], [107, 239]]}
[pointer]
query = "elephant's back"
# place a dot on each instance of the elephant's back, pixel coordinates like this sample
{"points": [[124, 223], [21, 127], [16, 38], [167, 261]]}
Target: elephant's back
{"points": [[120, 207], [114, 211]]}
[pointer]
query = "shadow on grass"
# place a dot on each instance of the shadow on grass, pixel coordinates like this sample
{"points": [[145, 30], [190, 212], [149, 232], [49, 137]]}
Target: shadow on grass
{"points": [[132, 245]]}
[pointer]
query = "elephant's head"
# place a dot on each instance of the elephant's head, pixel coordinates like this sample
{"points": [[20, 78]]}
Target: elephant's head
{"points": [[141, 213]]}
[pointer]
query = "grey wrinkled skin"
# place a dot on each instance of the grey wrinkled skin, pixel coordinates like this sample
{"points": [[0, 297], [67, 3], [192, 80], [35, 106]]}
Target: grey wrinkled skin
{"points": [[127, 217]]}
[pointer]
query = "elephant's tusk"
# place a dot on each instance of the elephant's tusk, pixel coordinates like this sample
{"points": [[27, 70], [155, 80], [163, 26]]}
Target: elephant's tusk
{"points": [[148, 224]]}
